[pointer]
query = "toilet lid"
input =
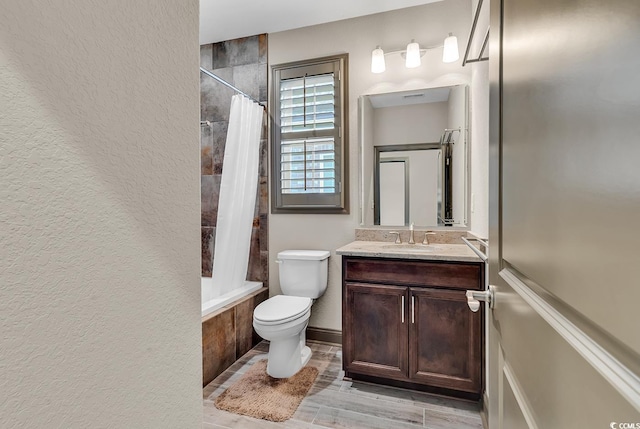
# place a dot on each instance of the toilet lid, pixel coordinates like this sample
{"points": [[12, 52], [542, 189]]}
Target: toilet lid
{"points": [[281, 308]]}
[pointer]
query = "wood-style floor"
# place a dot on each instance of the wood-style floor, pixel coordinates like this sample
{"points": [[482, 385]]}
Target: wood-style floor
{"points": [[335, 403]]}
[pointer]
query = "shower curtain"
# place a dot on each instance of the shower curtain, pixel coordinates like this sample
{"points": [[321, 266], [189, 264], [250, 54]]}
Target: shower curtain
{"points": [[237, 201]]}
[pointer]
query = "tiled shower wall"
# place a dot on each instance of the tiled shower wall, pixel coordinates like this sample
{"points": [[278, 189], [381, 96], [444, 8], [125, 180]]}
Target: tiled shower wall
{"points": [[243, 63]]}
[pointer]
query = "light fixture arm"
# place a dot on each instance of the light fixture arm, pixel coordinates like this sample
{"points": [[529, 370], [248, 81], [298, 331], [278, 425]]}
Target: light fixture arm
{"points": [[403, 52]]}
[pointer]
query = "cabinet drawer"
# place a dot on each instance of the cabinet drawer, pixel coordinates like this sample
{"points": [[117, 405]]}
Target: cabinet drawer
{"points": [[456, 275]]}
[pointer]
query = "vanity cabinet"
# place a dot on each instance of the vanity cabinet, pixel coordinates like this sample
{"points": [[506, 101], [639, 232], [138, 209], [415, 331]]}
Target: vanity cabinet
{"points": [[406, 323]]}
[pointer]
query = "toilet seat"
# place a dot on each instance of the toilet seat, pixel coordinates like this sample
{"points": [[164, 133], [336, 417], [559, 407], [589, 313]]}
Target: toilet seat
{"points": [[281, 309]]}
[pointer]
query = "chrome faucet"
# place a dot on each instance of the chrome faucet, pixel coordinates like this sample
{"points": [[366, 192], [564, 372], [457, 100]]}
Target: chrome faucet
{"points": [[426, 237], [398, 240], [411, 240]]}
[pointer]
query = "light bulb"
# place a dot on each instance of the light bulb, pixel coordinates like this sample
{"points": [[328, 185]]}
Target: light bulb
{"points": [[377, 60], [450, 51], [413, 55]]}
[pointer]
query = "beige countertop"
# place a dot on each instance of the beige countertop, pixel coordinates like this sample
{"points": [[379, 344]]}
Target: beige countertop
{"points": [[385, 249]]}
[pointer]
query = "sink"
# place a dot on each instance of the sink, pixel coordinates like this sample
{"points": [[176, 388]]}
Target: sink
{"points": [[411, 247]]}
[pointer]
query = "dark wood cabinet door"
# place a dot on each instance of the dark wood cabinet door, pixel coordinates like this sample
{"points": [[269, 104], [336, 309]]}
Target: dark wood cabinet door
{"points": [[445, 347], [376, 330]]}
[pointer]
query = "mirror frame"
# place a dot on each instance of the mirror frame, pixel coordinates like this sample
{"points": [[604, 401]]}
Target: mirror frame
{"points": [[464, 136]]}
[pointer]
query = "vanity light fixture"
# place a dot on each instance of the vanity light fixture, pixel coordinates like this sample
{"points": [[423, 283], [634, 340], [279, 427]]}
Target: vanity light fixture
{"points": [[413, 53], [377, 60], [412, 59], [450, 51]]}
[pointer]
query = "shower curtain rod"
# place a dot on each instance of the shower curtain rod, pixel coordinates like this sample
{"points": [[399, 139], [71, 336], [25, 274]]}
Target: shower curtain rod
{"points": [[224, 82]]}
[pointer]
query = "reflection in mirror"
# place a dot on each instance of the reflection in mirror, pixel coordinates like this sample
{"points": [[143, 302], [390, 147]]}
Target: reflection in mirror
{"points": [[414, 158], [394, 192], [421, 174]]}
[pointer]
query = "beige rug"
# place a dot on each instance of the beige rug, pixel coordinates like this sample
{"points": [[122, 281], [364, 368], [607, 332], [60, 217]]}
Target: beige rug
{"points": [[258, 395]]}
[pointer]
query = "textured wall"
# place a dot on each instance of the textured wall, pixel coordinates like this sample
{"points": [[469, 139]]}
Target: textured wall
{"points": [[243, 63], [428, 25], [99, 253]]}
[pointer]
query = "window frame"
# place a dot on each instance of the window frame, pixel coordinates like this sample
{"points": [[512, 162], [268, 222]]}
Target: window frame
{"points": [[312, 203]]}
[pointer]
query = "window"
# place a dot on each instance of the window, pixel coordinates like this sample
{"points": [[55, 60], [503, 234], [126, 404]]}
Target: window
{"points": [[309, 136]]}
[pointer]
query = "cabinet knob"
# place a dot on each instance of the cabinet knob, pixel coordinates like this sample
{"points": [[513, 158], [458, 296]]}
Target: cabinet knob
{"points": [[475, 296]]}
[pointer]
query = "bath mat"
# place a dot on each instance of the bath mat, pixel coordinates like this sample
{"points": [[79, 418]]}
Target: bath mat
{"points": [[258, 395]]}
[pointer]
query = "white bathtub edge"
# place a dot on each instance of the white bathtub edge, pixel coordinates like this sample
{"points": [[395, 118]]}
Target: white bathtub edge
{"points": [[217, 303]]}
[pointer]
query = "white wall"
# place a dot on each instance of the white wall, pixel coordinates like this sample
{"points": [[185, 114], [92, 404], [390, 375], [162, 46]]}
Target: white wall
{"points": [[100, 218], [415, 123], [479, 112], [428, 25]]}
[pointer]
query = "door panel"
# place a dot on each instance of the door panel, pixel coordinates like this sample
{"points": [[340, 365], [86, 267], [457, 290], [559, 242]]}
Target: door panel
{"points": [[445, 348], [513, 417], [561, 388], [571, 179], [377, 322], [564, 191]]}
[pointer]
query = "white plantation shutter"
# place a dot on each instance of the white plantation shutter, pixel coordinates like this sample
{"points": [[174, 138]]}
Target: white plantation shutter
{"points": [[308, 166], [308, 138]]}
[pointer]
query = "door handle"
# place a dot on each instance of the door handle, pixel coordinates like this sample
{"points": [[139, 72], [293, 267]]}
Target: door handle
{"points": [[402, 309], [475, 296]]}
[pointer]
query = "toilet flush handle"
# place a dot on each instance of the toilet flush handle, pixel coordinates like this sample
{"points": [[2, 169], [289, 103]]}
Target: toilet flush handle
{"points": [[279, 261]]}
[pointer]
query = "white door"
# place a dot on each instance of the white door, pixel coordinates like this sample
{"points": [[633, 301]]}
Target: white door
{"points": [[564, 336], [393, 190]]}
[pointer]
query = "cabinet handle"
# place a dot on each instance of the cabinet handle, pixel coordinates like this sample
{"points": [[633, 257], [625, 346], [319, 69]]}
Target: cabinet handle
{"points": [[402, 309], [413, 309]]}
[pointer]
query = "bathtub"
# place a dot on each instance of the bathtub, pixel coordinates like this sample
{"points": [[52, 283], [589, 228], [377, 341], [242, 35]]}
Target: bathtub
{"points": [[209, 307]]}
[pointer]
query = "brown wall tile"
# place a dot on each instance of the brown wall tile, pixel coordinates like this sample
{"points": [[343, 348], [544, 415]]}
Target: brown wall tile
{"points": [[236, 52], [264, 262], [264, 156], [215, 98], [263, 48], [255, 271], [218, 345], [229, 335], [264, 232], [219, 140], [206, 56], [263, 190], [206, 150], [244, 326], [209, 195], [257, 299], [207, 241]]}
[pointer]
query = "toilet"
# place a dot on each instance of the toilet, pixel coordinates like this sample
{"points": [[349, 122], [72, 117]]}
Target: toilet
{"points": [[282, 319]]}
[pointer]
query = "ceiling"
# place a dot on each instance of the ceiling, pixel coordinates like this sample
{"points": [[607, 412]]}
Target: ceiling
{"points": [[229, 19]]}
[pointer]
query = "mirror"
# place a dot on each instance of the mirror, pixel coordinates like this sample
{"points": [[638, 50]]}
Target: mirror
{"points": [[414, 157]]}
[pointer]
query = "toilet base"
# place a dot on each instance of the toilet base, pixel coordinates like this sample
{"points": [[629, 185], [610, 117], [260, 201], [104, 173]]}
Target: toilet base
{"points": [[287, 357]]}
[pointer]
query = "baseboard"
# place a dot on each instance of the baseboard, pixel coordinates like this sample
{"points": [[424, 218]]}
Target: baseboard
{"points": [[484, 413], [468, 396], [324, 335]]}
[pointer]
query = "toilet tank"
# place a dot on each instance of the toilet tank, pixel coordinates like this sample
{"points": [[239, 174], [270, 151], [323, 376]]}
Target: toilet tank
{"points": [[303, 272]]}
